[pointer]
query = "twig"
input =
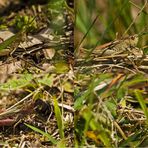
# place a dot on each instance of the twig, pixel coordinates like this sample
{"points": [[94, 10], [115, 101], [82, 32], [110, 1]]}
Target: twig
{"points": [[32, 64], [94, 21], [13, 107], [138, 7], [66, 107], [111, 65], [135, 18], [120, 130]]}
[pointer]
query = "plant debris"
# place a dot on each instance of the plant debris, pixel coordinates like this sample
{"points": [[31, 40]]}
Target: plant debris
{"points": [[34, 72]]}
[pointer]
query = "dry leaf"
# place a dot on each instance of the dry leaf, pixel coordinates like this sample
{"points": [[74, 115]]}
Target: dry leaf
{"points": [[49, 53]]}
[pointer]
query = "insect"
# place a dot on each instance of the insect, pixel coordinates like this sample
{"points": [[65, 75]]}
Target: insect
{"points": [[9, 45], [125, 45]]}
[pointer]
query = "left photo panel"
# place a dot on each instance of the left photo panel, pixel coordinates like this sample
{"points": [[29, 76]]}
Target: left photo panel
{"points": [[36, 73]]}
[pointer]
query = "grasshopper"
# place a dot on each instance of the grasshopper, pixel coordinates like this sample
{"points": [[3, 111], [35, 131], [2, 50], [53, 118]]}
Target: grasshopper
{"points": [[8, 46], [125, 45]]}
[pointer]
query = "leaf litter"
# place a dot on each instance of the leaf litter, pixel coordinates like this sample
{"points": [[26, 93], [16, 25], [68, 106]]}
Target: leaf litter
{"points": [[35, 71]]}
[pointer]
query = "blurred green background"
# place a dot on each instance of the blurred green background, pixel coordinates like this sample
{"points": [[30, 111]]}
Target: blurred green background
{"points": [[113, 18]]}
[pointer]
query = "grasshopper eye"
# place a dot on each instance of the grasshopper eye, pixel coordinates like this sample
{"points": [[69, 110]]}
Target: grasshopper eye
{"points": [[133, 37], [134, 40]]}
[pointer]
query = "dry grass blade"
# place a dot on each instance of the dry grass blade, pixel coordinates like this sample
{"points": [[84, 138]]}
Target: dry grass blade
{"points": [[141, 10]]}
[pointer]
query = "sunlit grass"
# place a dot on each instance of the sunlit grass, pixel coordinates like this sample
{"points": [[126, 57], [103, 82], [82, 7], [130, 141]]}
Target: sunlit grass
{"points": [[111, 108]]}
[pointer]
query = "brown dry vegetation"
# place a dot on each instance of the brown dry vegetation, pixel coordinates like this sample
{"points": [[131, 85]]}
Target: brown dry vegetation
{"points": [[36, 76]]}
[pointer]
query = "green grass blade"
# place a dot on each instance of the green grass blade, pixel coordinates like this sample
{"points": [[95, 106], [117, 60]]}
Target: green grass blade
{"points": [[43, 133], [142, 103], [59, 118]]}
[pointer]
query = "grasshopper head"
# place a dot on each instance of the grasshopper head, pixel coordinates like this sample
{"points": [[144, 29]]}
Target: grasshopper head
{"points": [[133, 40]]}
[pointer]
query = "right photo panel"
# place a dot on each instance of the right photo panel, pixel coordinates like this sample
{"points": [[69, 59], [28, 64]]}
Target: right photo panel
{"points": [[111, 73]]}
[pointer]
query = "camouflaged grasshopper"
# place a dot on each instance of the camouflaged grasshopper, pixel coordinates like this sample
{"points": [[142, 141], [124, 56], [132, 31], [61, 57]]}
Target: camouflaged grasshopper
{"points": [[126, 45], [8, 46]]}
